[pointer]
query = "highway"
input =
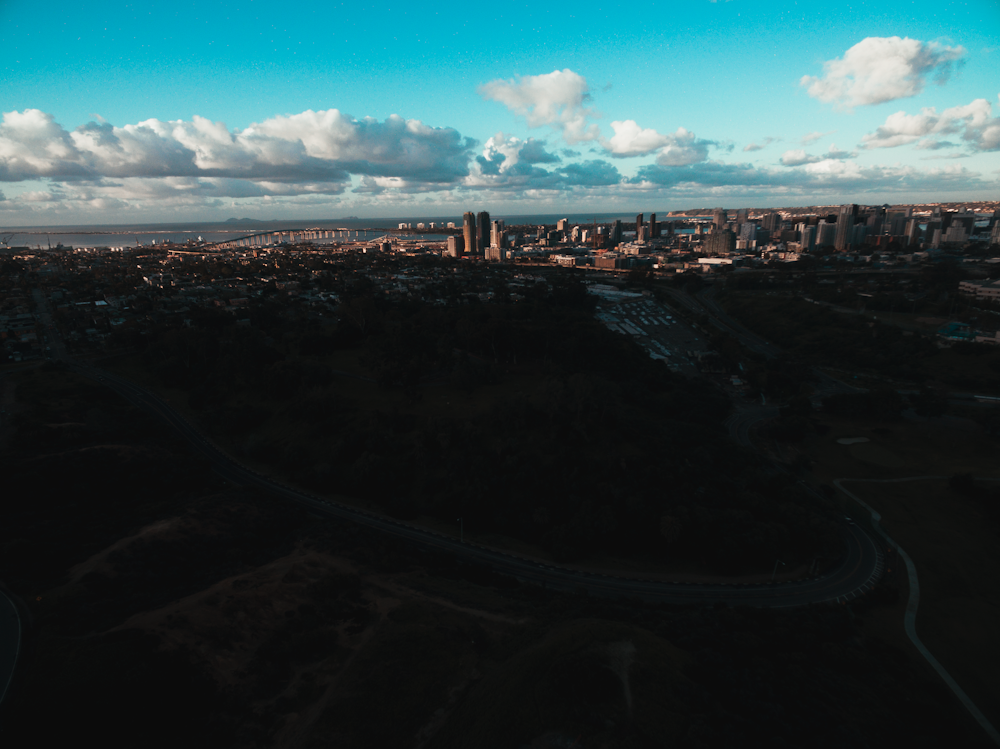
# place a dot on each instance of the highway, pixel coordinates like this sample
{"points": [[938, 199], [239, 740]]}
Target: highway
{"points": [[856, 572]]}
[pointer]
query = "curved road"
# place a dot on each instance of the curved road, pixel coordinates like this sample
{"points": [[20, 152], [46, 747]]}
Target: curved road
{"points": [[910, 619], [857, 571]]}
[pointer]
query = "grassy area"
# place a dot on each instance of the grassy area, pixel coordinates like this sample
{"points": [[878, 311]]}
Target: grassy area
{"points": [[950, 537]]}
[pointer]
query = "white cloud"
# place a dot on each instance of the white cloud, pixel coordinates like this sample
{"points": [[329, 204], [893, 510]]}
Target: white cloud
{"points": [[750, 147], [683, 148], [814, 136], [310, 147], [797, 157], [880, 69], [557, 99], [974, 121], [631, 140]]}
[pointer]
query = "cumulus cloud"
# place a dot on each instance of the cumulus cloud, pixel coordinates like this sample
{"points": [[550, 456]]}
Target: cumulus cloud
{"points": [[558, 99], [797, 157], [501, 153], [631, 140], [974, 121], [311, 147], [880, 69], [683, 148]]}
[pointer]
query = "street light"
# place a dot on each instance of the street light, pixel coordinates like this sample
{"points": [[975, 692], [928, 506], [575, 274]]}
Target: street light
{"points": [[775, 570]]}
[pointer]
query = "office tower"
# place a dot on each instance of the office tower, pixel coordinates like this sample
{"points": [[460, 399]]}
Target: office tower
{"points": [[808, 238], [640, 235], [616, 232], [482, 233], [719, 217], [742, 216], [541, 233], [720, 242], [748, 231], [575, 234], [845, 226], [469, 232], [456, 245], [638, 225], [561, 224], [912, 232], [771, 221], [826, 234], [497, 236], [858, 234], [654, 227]]}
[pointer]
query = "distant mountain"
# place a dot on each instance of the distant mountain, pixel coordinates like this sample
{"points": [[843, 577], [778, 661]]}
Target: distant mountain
{"points": [[245, 221]]}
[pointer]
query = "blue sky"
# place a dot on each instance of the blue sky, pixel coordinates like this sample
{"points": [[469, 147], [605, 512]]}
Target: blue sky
{"points": [[125, 112]]}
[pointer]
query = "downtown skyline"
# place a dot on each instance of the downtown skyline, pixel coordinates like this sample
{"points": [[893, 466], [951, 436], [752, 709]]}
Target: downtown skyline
{"points": [[172, 113]]}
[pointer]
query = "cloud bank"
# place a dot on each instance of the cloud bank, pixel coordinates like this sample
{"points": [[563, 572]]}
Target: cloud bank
{"points": [[978, 128]]}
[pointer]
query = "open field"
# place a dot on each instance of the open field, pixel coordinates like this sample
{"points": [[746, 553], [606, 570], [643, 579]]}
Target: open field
{"points": [[950, 537]]}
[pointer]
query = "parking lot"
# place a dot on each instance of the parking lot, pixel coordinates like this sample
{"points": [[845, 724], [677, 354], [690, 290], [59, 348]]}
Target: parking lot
{"points": [[657, 329]]}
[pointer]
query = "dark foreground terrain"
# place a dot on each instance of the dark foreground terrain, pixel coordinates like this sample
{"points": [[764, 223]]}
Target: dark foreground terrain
{"points": [[171, 609]]}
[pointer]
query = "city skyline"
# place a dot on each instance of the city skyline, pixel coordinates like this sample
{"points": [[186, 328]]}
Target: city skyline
{"points": [[253, 110]]}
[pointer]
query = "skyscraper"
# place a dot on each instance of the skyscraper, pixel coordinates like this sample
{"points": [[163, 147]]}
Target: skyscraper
{"points": [[638, 226], [482, 233], [772, 221], [845, 226], [616, 232], [742, 215], [561, 224], [719, 217], [498, 237], [654, 228], [808, 238], [469, 232], [455, 246]]}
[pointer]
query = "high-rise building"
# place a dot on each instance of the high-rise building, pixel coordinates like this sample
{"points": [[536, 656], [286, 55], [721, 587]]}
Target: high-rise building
{"points": [[826, 234], [995, 233], [482, 233], [719, 217], [469, 232], [912, 232], [498, 237], [808, 238], [575, 234], [638, 225], [742, 216], [654, 227], [771, 221], [456, 246], [561, 224], [845, 226], [720, 242], [616, 232]]}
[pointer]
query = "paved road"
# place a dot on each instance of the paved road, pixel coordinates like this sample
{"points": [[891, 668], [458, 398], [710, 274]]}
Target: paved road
{"points": [[856, 572], [910, 619]]}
